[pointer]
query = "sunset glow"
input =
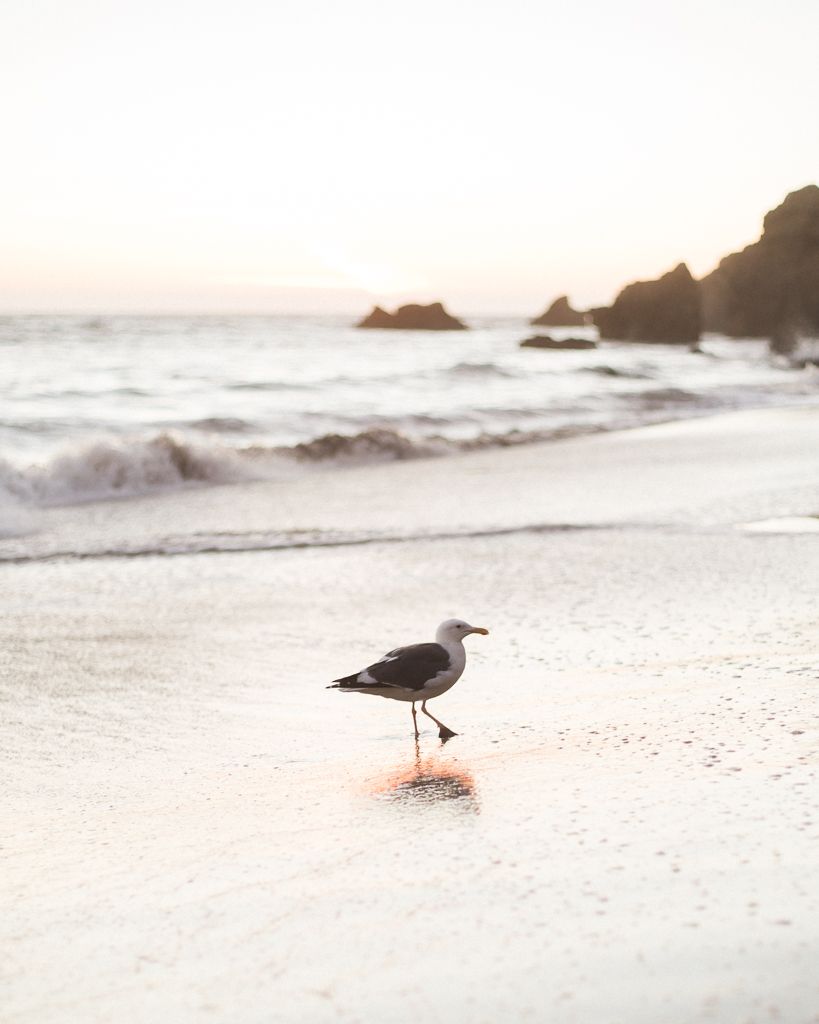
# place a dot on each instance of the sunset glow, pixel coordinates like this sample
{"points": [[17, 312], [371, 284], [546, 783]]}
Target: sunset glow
{"points": [[313, 156]]}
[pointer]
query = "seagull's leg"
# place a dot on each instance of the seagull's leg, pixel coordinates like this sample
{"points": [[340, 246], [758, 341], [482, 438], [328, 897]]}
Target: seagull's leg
{"points": [[415, 720], [443, 732]]}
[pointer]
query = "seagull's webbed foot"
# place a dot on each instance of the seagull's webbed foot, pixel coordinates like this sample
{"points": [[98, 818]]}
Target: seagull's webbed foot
{"points": [[444, 734]]}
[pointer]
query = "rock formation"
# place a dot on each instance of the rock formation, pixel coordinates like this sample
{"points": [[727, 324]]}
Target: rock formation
{"points": [[378, 318], [560, 314], [771, 288], [544, 341], [667, 310], [414, 318]]}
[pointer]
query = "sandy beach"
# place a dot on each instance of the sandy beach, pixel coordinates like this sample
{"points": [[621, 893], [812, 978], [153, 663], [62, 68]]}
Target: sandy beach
{"points": [[623, 832]]}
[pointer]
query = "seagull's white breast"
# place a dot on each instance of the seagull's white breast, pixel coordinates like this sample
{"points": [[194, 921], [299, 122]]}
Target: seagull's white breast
{"points": [[449, 677]]}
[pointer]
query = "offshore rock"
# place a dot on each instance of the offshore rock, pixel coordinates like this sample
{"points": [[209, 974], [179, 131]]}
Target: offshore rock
{"points": [[560, 314], [544, 341], [378, 318], [666, 311], [414, 318], [771, 288]]}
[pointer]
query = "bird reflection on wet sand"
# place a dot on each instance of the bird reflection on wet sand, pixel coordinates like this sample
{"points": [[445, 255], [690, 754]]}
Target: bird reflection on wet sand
{"points": [[420, 781]]}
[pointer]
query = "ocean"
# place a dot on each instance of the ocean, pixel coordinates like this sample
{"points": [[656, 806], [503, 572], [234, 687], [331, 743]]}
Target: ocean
{"points": [[114, 406]]}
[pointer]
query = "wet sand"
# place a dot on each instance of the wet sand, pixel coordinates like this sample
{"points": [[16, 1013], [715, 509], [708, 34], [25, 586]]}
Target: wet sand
{"points": [[624, 830]]}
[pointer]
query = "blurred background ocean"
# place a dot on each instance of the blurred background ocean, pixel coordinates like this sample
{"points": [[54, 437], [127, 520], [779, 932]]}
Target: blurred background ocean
{"points": [[101, 406]]}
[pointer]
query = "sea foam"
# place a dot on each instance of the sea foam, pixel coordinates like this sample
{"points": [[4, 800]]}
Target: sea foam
{"points": [[112, 467]]}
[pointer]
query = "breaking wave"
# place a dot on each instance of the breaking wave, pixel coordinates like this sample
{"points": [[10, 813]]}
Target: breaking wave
{"points": [[126, 467], [612, 371], [112, 467], [377, 445], [478, 370]]}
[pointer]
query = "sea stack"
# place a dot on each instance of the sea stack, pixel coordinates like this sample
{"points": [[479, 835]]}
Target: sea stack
{"points": [[667, 310], [771, 288], [560, 314], [413, 318]]}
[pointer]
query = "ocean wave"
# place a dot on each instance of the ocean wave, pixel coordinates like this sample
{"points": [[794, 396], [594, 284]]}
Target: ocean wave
{"points": [[465, 371], [262, 385], [222, 424], [662, 398], [612, 371], [478, 370], [379, 444], [16, 518], [112, 467], [127, 467]]}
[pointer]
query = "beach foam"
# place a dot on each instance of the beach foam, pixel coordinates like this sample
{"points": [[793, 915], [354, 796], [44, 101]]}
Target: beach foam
{"points": [[113, 467], [16, 519]]}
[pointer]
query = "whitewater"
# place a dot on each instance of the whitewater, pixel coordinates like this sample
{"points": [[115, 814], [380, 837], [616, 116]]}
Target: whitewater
{"points": [[119, 406]]}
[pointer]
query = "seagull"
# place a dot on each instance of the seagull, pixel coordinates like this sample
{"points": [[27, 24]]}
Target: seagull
{"points": [[418, 672]]}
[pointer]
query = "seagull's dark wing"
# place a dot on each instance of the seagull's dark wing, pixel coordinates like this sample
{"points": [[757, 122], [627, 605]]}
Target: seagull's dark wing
{"points": [[405, 667]]}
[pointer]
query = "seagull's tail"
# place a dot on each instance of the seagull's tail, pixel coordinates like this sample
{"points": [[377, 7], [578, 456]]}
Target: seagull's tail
{"points": [[346, 682]]}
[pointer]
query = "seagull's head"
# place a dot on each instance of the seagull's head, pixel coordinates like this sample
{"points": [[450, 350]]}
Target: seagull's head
{"points": [[454, 630]]}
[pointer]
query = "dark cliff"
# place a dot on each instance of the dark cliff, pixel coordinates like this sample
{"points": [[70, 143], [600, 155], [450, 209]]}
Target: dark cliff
{"points": [[560, 314], [771, 288], [665, 310]]}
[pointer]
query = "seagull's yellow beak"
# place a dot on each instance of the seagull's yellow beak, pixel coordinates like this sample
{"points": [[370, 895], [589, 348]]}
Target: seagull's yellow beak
{"points": [[477, 629]]}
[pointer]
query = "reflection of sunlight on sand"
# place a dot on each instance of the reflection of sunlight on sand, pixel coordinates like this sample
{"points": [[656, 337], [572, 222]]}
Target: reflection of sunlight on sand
{"points": [[424, 780]]}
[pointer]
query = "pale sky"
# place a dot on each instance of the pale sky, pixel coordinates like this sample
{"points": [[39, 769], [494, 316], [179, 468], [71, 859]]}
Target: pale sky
{"points": [[249, 155]]}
